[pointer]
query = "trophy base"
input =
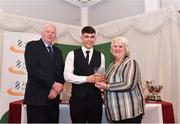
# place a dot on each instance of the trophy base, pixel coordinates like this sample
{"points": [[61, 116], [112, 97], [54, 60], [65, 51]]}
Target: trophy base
{"points": [[153, 98]]}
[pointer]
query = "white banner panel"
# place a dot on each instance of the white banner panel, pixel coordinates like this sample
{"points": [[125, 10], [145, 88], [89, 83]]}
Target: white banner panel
{"points": [[13, 77]]}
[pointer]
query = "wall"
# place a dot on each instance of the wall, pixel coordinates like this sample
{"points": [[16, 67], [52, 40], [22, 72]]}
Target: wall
{"points": [[53, 10], [175, 3], [64, 12], [109, 10]]}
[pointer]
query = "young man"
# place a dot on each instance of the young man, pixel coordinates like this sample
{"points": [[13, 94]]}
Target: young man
{"points": [[86, 100], [45, 66]]}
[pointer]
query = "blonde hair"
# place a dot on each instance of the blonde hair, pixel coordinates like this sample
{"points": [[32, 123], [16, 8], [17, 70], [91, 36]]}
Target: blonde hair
{"points": [[124, 41]]}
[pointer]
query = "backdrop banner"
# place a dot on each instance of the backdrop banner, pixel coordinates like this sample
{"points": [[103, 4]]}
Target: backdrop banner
{"points": [[13, 76]]}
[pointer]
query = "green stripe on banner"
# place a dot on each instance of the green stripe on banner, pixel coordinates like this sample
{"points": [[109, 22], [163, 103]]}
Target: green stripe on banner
{"points": [[104, 48]]}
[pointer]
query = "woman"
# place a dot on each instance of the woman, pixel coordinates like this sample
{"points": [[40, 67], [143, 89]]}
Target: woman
{"points": [[123, 96]]}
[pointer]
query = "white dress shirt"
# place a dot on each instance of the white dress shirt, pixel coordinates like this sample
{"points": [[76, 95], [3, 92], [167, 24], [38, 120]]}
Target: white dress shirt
{"points": [[69, 66]]}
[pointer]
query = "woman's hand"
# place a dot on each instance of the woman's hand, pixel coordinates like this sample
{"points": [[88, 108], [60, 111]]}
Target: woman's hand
{"points": [[101, 85]]}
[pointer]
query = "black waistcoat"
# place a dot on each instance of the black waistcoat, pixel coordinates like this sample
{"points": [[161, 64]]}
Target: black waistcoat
{"points": [[81, 68]]}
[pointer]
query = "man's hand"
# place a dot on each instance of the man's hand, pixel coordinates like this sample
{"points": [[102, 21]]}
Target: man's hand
{"points": [[58, 87], [95, 78], [53, 94]]}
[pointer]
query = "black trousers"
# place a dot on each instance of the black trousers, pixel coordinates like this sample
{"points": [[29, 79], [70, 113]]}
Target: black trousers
{"points": [[136, 120], [43, 114], [85, 110]]}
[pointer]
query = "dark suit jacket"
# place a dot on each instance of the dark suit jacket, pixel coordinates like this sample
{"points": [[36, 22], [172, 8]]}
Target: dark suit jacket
{"points": [[42, 73]]}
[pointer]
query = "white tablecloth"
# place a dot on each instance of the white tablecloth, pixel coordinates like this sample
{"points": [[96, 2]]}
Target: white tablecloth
{"points": [[153, 114]]}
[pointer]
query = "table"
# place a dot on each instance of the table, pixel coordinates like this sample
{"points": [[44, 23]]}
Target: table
{"points": [[155, 112], [167, 111]]}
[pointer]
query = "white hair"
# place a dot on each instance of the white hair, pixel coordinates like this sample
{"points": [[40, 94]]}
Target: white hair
{"points": [[47, 25]]}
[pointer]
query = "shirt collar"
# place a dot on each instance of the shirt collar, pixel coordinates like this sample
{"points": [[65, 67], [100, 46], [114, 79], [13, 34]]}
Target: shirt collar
{"points": [[85, 49], [46, 44]]}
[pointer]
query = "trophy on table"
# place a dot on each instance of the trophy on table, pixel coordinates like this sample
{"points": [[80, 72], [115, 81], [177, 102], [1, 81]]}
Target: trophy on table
{"points": [[153, 91]]}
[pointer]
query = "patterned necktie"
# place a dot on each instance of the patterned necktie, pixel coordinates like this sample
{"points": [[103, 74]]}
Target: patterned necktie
{"points": [[87, 56], [50, 51]]}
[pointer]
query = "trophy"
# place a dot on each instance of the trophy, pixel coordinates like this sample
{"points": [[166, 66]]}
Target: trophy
{"points": [[153, 91], [99, 71]]}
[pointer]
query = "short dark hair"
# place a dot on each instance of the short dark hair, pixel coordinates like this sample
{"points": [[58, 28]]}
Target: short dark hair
{"points": [[88, 29]]}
